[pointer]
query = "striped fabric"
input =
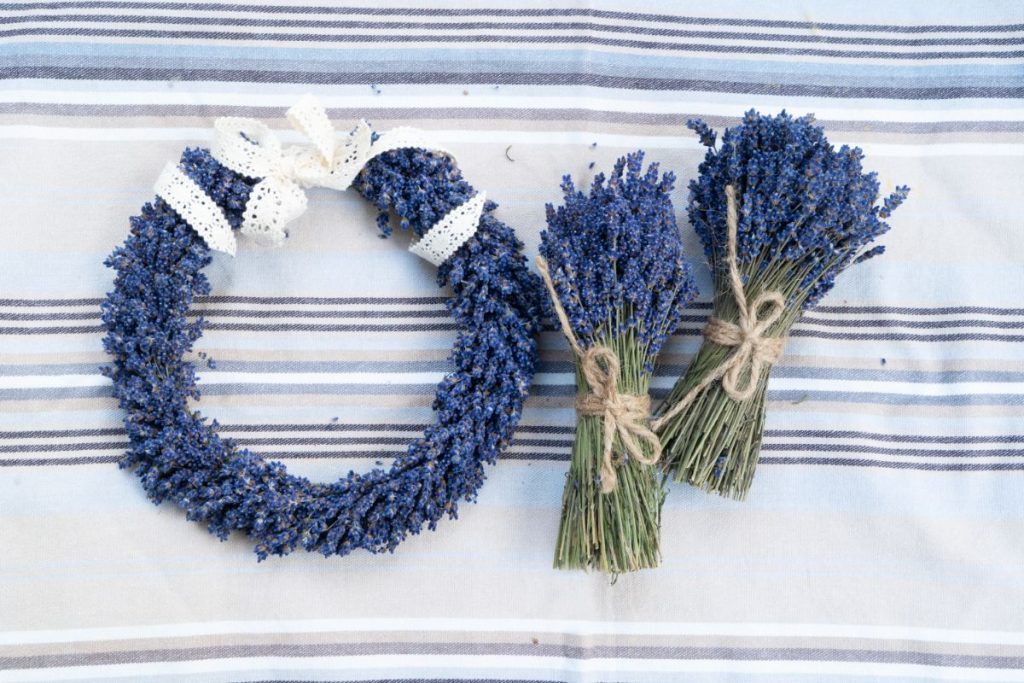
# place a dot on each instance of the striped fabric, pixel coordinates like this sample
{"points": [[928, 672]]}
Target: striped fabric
{"points": [[884, 536]]}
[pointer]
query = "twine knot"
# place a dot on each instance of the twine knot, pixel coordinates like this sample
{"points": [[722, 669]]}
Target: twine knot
{"points": [[751, 347], [625, 415]]}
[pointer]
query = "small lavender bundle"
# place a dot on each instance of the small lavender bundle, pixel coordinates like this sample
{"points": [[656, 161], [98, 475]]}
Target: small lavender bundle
{"points": [[781, 213], [613, 263]]}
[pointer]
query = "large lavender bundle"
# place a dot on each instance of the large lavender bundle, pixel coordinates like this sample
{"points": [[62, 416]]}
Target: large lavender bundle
{"points": [[613, 262], [781, 213]]}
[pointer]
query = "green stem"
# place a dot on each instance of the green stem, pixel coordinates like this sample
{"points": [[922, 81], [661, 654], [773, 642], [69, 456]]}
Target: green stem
{"points": [[619, 531], [715, 442]]}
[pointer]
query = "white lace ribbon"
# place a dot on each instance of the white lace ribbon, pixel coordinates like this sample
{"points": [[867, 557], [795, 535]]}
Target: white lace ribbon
{"points": [[445, 237], [193, 205], [252, 149]]}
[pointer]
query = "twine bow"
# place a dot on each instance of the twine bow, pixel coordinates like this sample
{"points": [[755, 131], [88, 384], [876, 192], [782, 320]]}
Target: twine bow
{"points": [[622, 414], [752, 348], [249, 147]]}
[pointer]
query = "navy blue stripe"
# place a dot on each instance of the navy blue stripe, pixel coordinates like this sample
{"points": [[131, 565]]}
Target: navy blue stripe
{"points": [[321, 300], [914, 324], [922, 310], [393, 39], [504, 78], [449, 327], [896, 438], [522, 429], [519, 12], [564, 457], [268, 441], [883, 464], [441, 27], [564, 444], [906, 452]]}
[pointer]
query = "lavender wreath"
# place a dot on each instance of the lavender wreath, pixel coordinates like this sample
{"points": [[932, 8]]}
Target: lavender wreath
{"points": [[177, 453]]}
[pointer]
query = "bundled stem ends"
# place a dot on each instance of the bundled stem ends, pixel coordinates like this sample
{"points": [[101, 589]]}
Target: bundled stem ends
{"points": [[611, 506]]}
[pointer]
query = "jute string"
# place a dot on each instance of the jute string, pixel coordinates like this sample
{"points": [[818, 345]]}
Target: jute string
{"points": [[752, 349], [622, 414]]}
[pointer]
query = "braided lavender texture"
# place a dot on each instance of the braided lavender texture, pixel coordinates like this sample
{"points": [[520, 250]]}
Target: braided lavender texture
{"points": [[177, 453]]}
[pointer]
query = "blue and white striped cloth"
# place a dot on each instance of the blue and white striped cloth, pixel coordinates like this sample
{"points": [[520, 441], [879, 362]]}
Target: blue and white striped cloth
{"points": [[884, 535]]}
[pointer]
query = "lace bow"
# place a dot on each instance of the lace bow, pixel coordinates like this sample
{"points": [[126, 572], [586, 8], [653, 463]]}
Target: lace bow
{"points": [[250, 148]]}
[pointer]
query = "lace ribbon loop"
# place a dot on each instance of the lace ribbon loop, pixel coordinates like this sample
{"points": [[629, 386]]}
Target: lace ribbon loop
{"points": [[250, 148]]}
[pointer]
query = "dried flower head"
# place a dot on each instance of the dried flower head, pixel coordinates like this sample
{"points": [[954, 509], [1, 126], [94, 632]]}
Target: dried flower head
{"points": [[616, 257], [801, 200]]}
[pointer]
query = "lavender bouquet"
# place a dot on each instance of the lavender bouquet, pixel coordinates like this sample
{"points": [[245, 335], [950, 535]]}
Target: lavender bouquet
{"points": [[781, 213], [613, 264]]}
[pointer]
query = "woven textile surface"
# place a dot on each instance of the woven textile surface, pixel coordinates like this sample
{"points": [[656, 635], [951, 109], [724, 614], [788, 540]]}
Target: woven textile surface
{"points": [[883, 538]]}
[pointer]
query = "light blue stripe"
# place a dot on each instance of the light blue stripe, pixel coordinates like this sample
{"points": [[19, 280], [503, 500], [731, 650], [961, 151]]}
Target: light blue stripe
{"points": [[908, 12], [396, 272], [516, 95], [990, 496], [471, 59], [560, 414], [403, 389], [562, 370], [873, 350]]}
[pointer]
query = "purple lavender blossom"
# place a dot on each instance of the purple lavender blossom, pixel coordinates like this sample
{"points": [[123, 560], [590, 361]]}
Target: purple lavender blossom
{"points": [[178, 454], [800, 199], [616, 257]]}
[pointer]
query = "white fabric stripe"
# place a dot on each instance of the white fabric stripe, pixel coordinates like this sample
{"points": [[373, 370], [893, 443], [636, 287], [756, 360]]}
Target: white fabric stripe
{"points": [[869, 443], [919, 111], [355, 455], [392, 29], [518, 625], [526, 666], [462, 138], [541, 379], [569, 16], [372, 378]]}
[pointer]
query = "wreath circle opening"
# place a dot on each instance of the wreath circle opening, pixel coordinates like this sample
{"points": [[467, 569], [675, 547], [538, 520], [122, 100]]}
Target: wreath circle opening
{"points": [[176, 451]]}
